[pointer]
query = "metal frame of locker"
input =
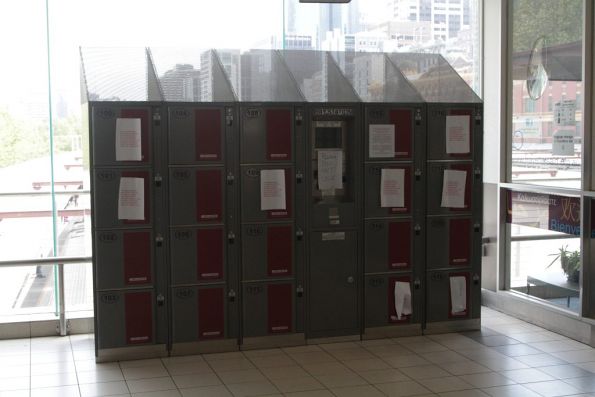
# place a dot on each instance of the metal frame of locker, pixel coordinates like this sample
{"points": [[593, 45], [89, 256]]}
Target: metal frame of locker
{"points": [[380, 318], [203, 283], [453, 260], [262, 287], [118, 302]]}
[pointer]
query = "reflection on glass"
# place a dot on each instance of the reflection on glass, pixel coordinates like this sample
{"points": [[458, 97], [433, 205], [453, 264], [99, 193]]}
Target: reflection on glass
{"points": [[545, 250], [547, 92]]}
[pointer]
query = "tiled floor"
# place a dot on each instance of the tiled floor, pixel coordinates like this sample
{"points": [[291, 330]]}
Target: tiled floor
{"points": [[507, 358]]}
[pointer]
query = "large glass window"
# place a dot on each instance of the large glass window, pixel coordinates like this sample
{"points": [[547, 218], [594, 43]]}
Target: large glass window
{"points": [[546, 92]]}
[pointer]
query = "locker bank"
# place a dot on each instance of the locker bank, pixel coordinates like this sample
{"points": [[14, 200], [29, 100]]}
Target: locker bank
{"points": [[270, 198]]}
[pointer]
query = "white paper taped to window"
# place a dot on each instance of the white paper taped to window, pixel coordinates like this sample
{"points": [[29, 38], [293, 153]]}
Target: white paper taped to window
{"points": [[381, 141], [131, 199], [128, 140], [402, 299], [453, 188], [458, 138], [272, 190], [458, 294], [392, 187], [330, 169]]}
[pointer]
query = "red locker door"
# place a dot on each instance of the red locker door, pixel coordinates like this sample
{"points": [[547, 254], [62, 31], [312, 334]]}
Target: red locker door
{"points": [[279, 250], [399, 245], [459, 244], [147, 198], [280, 308], [137, 257], [207, 130], [211, 313], [278, 128], [145, 140], [139, 317], [209, 253], [209, 195], [392, 310], [402, 119]]}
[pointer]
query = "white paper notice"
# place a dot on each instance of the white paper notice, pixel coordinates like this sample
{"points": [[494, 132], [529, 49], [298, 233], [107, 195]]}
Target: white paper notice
{"points": [[272, 190], [457, 134], [381, 140], [330, 169], [128, 140], [402, 299], [453, 189], [458, 294], [131, 199], [392, 187]]}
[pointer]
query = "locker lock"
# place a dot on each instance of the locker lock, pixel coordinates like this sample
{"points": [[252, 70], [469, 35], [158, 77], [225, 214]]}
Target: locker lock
{"points": [[158, 179], [417, 116], [231, 237], [160, 300], [157, 119], [350, 280], [298, 118], [417, 283], [478, 118], [417, 229], [417, 174], [299, 177], [230, 178], [476, 227], [300, 291], [299, 234], [231, 295], [477, 172], [159, 240], [229, 118], [476, 279]]}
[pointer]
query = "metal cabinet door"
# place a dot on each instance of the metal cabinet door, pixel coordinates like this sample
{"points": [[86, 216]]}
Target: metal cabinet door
{"points": [[333, 282], [196, 195], [435, 186], [197, 255], [123, 258], [251, 195], [403, 121], [439, 305], [106, 197], [267, 135], [372, 191], [196, 134], [451, 242], [198, 313], [388, 245], [268, 308], [437, 119], [267, 251], [379, 297]]}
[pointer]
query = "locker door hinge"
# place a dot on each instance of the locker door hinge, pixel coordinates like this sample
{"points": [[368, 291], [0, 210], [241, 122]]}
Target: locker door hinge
{"points": [[158, 179], [230, 178], [159, 240], [231, 237], [160, 300], [231, 295], [300, 291], [229, 117], [157, 119]]}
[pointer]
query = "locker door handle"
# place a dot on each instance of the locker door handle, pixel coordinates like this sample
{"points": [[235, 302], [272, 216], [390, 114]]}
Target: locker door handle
{"points": [[417, 284], [417, 174], [231, 295], [350, 280], [231, 237], [300, 291], [299, 235], [158, 180], [476, 279], [417, 230], [160, 300], [159, 241], [299, 177]]}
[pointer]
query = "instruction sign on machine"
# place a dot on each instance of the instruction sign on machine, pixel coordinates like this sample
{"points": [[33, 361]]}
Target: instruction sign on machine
{"points": [[564, 112]]}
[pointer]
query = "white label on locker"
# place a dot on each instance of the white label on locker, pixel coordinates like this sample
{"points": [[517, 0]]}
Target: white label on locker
{"points": [[131, 199], [453, 189], [458, 294], [211, 333], [272, 190], [402, 299], [205, 275], [128, 140], [381, 140], [137, 279], [330, 170], [333, 236], [457, 134], [392, 187], [139, 338], [280, 328]]}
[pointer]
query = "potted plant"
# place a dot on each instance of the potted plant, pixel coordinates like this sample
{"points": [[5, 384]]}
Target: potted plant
{"points": [[570, 262]]}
